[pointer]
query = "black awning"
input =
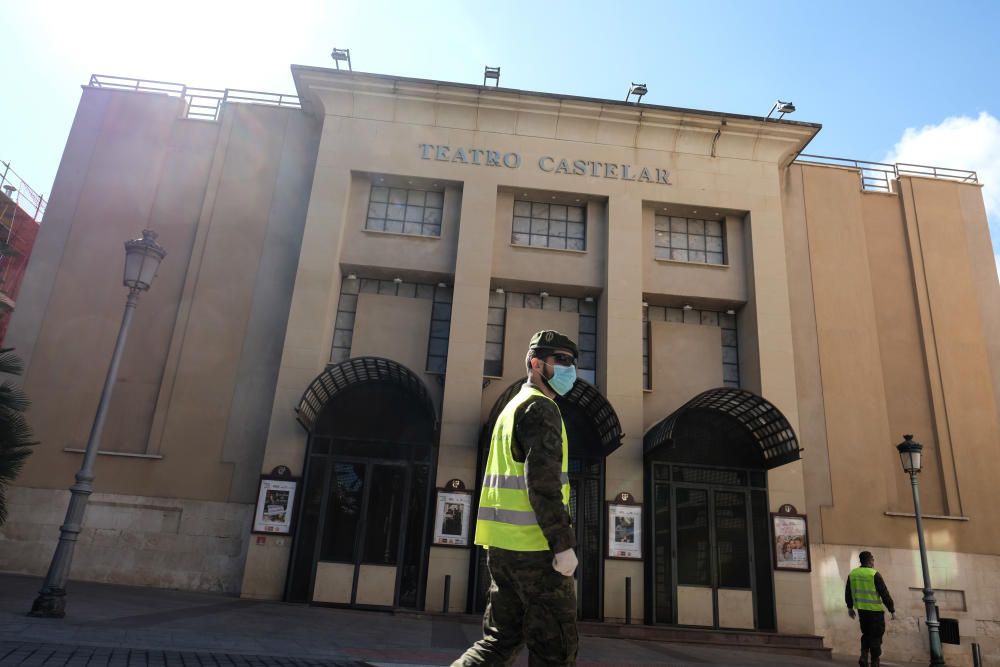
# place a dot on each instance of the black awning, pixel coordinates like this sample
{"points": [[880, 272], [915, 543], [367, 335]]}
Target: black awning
{"points": [[771, 432], [586, 400], [338, 377]]}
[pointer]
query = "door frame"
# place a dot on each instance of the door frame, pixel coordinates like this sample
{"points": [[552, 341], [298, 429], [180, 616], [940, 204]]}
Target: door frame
{"points": [[579, 530], [710, 489], [408, 465]]}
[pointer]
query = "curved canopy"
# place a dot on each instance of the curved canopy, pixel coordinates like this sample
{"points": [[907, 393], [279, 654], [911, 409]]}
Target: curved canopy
{"points": [[583, 397], [338, 377], [768, 428]]}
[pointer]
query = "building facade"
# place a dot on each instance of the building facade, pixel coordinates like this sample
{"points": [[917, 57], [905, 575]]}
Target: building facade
{"points": [[352, 278]]}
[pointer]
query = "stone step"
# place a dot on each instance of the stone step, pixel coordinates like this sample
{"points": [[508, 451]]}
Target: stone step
{"points": [[790, 644]]}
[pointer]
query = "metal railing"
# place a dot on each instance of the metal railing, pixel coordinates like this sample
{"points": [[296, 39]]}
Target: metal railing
{"points": [[201, 103], [879, 176]]}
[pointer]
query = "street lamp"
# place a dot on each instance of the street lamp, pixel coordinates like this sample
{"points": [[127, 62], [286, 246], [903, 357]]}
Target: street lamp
{"points": [[909, 455], [142, 258]]}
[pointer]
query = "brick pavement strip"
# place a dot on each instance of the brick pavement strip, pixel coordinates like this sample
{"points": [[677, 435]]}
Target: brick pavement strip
{"points": [[30, 654]]}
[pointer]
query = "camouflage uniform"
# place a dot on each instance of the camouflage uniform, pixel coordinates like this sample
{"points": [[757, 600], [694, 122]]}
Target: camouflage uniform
{"points": [[529, 601]]}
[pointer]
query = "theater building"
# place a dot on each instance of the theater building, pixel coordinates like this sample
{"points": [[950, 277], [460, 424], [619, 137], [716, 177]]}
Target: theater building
{"points": [[352, 277]]}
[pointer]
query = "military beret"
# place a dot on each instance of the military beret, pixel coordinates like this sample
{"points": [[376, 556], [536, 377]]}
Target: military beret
{"points": [[547, 339]]}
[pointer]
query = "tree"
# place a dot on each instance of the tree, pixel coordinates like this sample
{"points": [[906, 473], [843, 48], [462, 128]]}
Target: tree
{"points": [[15, 434]]}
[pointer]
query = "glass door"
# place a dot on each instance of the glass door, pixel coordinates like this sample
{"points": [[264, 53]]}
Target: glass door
{"points": [[363, 533], [585, 512], [703, 546]]}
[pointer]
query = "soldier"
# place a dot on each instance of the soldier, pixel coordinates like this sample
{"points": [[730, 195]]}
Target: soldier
{"points": [[524, 520]]}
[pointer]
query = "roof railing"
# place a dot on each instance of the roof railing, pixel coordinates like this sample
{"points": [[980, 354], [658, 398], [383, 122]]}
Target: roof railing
{"points": [[879, 176], [200, 103]]}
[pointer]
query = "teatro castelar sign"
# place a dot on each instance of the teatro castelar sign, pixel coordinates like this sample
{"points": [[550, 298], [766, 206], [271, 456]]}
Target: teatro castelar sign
{"points": [[483, 157]]}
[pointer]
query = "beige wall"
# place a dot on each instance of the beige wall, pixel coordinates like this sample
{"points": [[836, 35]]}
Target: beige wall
{"points": [[900, 315], [967, 588], [208, 190], [685, 360]]}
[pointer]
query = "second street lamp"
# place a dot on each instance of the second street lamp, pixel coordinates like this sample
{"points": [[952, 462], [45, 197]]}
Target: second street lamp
{"points": [[910, 456], [142, 259]]}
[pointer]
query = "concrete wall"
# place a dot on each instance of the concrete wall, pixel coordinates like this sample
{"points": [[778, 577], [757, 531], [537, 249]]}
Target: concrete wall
{"points": [[967, 588], [131, 540], [188, 416]]}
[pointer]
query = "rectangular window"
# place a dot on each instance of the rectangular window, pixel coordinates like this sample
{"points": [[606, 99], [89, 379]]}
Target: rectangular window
{"points": [[689, 240], [549, 226], [405, 211]]}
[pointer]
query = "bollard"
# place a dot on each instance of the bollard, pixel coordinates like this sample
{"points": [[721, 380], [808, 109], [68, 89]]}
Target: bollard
{"points": [[447, 593], [977, 655], [628, 600]]}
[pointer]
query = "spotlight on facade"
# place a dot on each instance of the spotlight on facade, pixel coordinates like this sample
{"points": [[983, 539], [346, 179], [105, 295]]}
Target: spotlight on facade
{"points": [[730, 312], [344, 55], [397, 280], [442, 284], [352, 276], [645, 304], [543, 294], [588, 299], [688, 306], [499, 290], [782, 108], [492, 73], [637, 89]]}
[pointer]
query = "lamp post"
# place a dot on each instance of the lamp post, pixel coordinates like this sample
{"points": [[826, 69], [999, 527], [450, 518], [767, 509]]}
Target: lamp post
{"points": [[909, 454], [142, 258]]}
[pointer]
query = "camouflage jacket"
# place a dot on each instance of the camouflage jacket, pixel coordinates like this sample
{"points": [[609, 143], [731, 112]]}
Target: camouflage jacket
{"points": [[537, 443]]}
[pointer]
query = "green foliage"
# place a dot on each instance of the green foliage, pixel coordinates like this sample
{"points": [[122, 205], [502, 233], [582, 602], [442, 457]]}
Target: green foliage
{"points": [[15, 434]]}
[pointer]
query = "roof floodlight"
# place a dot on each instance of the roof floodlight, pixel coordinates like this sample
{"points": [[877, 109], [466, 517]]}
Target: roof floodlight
{"points": [[782, 108], [339, 55], [492, 73], [637, 89]]}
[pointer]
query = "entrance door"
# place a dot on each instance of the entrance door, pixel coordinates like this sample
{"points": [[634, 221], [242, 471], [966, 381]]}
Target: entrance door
{"points": [[367, 510], [585, 504], [705, 567]]}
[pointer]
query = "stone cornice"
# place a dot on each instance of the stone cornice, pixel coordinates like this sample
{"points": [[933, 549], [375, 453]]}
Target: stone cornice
{"points": [[326, 92]]}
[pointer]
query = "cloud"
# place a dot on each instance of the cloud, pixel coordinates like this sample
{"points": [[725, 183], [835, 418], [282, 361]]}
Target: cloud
{"points": [[960, 142]]}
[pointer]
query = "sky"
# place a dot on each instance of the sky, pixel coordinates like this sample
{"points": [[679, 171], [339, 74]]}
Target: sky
{"points": [[894, 80]]}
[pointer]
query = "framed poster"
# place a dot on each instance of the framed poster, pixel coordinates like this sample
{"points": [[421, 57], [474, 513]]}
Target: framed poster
{"points": [[791, 540], [624, 528], [275, 505], [452, 515]]}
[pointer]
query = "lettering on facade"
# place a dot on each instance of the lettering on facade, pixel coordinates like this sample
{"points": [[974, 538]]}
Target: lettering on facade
{"points": [[482, 157]]}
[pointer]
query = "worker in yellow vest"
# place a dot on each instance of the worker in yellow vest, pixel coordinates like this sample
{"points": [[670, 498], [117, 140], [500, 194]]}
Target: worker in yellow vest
{"points": [[524, 520], [866, 592]]}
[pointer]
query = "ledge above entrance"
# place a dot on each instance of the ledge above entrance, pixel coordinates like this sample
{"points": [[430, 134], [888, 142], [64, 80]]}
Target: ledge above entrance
{"points": [[768, 428], [338, 377]]}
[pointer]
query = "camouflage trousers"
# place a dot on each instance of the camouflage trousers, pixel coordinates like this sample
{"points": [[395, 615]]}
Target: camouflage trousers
{"points": [[529, 602]]}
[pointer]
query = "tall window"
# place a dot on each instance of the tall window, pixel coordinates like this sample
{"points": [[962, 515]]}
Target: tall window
{"points": [[690, 240], [549, 226], [405, 211]]}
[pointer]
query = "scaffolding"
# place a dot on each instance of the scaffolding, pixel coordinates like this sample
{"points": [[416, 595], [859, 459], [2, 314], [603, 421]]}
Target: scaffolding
{"points": [[21, 211]]}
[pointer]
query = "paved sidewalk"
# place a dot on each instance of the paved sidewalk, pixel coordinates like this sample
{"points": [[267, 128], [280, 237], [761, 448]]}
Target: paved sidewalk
{"points": [[119, 625]]}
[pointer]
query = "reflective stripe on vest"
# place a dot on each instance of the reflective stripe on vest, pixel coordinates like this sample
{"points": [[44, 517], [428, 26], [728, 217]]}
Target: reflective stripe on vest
{"points": [[863, 590], [506, 519]]}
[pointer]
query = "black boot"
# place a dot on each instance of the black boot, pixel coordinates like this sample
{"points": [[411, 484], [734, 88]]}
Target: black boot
{"points": [[863, 660], [875, 662]]}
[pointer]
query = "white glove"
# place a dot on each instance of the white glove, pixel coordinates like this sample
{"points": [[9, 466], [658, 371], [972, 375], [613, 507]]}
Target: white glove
{"points": [[565, 563]]}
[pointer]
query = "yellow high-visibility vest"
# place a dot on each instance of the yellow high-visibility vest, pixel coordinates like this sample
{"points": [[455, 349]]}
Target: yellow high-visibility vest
{"points": [[863, 589], [505, 519]]}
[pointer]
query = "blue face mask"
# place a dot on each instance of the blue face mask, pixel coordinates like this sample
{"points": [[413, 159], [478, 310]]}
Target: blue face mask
{"points": [[563, 378]]}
